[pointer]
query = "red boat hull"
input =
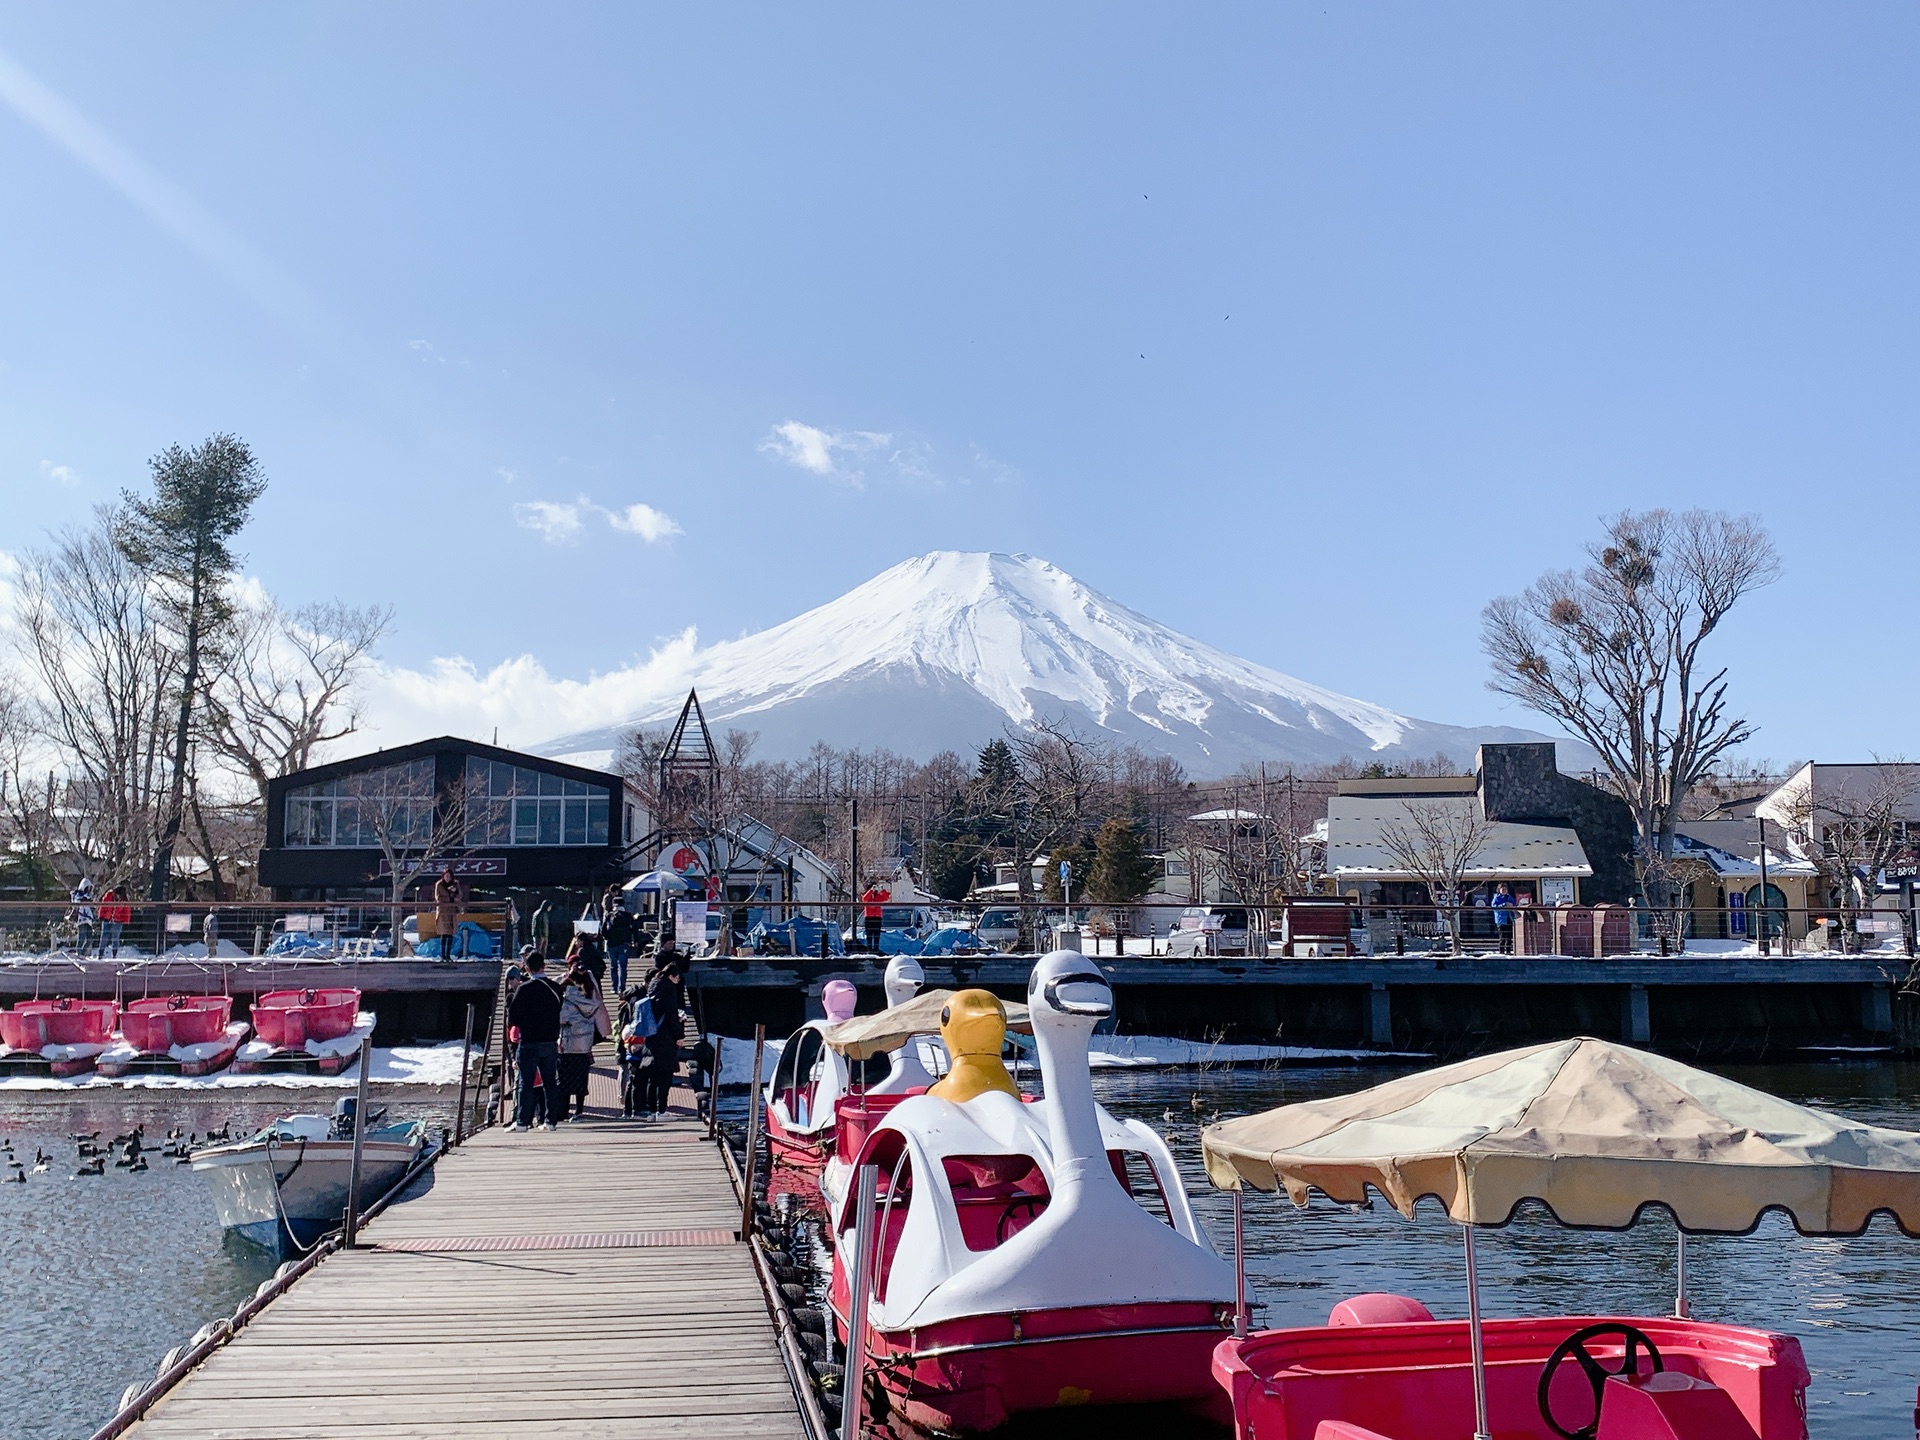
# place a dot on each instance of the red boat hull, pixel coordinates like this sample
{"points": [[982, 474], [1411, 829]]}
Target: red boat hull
{"points": [[1414, 1381], [36, 1024], [803, 1152], [288, 1019], [972, 1375], [155, 1026]]}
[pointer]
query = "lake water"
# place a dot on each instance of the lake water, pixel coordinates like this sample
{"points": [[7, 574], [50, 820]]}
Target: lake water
{"points": [[104, 1276]]}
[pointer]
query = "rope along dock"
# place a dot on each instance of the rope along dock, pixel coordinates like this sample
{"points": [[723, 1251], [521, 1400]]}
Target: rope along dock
{"points": [[581, 1283]]}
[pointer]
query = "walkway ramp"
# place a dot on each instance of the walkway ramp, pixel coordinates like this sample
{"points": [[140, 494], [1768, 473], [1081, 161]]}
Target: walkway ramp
{"points": [[581, 1283]]}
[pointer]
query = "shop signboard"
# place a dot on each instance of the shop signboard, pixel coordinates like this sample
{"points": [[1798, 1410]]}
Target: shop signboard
{"points": [[689, 923]]}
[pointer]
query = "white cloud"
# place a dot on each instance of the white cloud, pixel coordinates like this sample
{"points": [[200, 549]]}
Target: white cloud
{"points": [[553, 521], [645, 521], [60, 474], [453, 696], [823, 452], [562, 522]]}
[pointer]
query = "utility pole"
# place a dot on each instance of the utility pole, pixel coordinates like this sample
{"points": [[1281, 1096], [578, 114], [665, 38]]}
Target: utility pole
{"points": [[1765, 909], [853, 855]]}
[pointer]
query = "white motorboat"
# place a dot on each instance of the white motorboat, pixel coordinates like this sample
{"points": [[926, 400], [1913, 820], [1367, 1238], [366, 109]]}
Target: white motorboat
{"points": [[285, 1187]]}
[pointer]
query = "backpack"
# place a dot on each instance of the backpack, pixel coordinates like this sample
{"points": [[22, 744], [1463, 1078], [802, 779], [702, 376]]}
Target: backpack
{"points": [[645, 1022]]}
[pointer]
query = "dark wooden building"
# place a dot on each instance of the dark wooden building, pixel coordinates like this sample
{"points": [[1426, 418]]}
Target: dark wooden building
{"points": [[506, 820]]}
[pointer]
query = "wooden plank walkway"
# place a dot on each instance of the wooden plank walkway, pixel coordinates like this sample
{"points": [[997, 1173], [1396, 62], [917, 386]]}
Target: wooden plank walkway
{"points": [[580, 1283]]}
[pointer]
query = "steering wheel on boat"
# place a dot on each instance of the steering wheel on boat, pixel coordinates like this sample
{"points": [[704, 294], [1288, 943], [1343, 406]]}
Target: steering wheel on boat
{"points": [[1032, 1204], [1575, 1347]]}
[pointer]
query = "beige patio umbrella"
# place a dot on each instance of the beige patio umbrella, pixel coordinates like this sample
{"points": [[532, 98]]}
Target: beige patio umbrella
{"points": [[887, 1030], [1594, 1130]]}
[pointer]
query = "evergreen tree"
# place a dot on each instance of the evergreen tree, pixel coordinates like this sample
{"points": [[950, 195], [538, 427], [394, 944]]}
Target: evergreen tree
{"points": [[1122, 869], [1079, 859], [182, 538]]}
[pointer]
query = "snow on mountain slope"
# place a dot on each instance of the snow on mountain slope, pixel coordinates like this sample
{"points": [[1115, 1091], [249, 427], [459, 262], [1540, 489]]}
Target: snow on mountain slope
{"points": [[945, 649]]}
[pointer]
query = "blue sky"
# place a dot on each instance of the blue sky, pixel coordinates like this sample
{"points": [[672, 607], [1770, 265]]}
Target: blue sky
{"points": [[1304, 330]]}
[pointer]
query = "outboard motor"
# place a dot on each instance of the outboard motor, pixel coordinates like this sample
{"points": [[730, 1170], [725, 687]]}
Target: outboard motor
{"points": [[342, 1126]]}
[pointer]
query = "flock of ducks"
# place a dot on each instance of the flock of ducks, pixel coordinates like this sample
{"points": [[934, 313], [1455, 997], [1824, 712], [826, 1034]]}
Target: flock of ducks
{"points": [[126, 1152]]}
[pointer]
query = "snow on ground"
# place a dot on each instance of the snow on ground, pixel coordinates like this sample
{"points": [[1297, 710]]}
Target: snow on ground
{"points": [[400, 1065], [1108, 1052]]}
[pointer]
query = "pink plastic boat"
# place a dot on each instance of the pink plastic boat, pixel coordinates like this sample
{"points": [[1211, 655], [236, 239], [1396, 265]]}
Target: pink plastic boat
{"points": [[288, 1019], [35, 1024], [155, 1026], [1384, 1369]]}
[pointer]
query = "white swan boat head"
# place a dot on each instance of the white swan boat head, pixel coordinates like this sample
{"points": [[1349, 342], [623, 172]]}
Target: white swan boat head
{"points": [[995, 1205]]}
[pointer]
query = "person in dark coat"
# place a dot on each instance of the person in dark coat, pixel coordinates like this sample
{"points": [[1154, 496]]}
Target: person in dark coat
{"points": [[618, 933], [534, 1015], [667, 990]]}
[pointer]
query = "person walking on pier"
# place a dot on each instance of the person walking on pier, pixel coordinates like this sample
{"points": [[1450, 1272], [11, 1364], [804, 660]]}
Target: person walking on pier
{"points": [[666, 993], [580, 1024], [534, 1012], [619, 937], [540, 927]]}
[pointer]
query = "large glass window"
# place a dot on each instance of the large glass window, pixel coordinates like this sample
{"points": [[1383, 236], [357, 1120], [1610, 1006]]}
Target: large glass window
{"points": [[391, 805], [512, 805]]}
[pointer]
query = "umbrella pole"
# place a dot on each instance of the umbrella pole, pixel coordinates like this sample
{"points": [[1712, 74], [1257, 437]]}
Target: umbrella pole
{"points": [[1239, 1269], [1480, 1431], [1681, 1310]]}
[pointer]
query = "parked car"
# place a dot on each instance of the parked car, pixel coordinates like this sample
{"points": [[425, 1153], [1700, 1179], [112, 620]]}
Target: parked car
{"points": [[998, 928], [1210, 930]]}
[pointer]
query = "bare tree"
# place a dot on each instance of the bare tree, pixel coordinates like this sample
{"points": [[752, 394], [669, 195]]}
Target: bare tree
{"points": [[1439, 841], [414, 827], [1615, 654], [105, 669], [283, 684], [1853, 829]]}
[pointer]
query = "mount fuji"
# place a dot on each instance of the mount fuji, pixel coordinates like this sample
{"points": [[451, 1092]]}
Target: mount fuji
{"points": [[946, 650]]}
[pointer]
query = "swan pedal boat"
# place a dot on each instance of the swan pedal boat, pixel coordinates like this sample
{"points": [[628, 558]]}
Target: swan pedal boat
{"points": [[1029, 1254]]}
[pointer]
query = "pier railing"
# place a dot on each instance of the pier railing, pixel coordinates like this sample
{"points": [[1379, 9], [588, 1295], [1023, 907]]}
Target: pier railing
{"points": [[1319, 926], [98, 929]]}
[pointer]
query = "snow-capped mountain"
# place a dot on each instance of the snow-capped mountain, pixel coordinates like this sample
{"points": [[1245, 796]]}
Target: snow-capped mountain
{"points": [[943, 651]]}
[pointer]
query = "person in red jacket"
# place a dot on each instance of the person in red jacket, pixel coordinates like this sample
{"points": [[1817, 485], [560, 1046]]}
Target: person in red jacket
{"points": [[114, 915]]}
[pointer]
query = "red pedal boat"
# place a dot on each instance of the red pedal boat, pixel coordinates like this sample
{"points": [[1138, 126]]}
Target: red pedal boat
{"points": [[1028, 1256], [180, 1034], [808, 1079], [306, 1029], [63, 1036], [1596, 1132]]}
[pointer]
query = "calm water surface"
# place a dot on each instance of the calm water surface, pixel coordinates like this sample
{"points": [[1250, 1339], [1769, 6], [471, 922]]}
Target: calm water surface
{"points": [[101, 1277]]}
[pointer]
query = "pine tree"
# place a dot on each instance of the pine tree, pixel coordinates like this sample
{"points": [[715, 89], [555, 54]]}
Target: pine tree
{"points": [[182, 537], [1122, 869]]}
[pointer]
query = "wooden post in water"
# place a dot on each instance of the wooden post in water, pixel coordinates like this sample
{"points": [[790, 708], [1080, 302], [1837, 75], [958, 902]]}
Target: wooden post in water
{"points": [[359, 1134], [466, 1065], [713, 1089], [753, 1134], [853, 1398]]}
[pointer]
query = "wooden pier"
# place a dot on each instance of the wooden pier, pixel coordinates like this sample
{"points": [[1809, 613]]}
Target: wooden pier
{"points": [[586, 1282]]}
